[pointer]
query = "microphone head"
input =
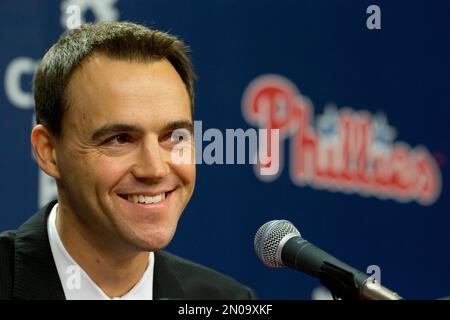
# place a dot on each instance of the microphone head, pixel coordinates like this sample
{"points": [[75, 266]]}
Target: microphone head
{"points": [[270, 239]]}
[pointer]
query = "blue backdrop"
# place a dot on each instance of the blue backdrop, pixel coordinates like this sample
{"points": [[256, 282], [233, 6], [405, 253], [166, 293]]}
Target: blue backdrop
{"points": [[279, 64]]}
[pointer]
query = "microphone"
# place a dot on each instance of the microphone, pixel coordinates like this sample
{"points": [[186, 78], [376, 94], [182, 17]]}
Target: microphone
{"points": [[278, 243]]}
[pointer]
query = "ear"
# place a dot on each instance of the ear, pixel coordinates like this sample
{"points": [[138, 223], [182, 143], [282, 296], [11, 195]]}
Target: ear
{"points": [[43, 144]]}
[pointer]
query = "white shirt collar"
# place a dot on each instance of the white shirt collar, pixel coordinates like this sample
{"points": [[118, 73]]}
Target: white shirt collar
{"points": [[77, 284]]}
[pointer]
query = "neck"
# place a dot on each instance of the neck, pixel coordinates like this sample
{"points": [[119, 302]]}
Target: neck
{"points": [[116, 271]]}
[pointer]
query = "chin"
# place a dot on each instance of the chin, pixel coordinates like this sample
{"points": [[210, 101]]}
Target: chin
{"points": [[153, 246], [155, 241]]}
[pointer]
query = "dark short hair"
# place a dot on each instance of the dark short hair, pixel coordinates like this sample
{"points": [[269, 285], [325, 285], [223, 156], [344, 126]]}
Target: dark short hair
{"points": [[117, 40]]}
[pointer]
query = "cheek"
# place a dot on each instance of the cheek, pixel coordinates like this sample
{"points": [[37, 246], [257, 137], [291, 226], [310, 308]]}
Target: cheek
{"points": [[108, 172], [93, 172], [186, 173], [189, 170]]}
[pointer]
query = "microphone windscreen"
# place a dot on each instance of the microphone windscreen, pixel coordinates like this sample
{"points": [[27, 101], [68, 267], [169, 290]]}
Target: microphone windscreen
{"points": [[268, 239]]}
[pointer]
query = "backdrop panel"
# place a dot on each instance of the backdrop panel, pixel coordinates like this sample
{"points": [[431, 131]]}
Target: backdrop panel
{"points": [[362, 115]]}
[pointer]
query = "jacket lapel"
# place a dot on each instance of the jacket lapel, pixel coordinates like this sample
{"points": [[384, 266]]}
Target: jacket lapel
{"points": [[166, 282], [35, 274]]}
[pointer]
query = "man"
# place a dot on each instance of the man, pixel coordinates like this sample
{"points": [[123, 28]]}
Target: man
{"points": [[109, 98]]}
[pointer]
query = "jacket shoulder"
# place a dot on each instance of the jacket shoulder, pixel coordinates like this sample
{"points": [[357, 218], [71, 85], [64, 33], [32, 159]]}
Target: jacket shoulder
{"points": [[7, 240], [201, 282]]}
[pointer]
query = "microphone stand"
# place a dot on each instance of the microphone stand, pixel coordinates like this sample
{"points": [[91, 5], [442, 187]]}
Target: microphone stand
{"points": [[345, 285]]}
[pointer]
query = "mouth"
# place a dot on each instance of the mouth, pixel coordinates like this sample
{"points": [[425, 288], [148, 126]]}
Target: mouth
{"points": [[145, 198]]}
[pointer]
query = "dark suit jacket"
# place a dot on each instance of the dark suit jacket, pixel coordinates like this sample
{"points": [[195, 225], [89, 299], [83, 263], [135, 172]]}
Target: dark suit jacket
{"points": [[28, 270]]}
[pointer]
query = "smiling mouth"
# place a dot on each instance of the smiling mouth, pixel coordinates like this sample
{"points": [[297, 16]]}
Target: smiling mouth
{"points": [[145, 199]]}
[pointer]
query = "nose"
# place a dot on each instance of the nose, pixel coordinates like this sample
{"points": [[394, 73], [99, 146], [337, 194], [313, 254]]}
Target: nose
{"points": [[151, 162]]}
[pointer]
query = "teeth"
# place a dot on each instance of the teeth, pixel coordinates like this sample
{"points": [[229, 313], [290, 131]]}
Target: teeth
{"points": [[139, 198]]}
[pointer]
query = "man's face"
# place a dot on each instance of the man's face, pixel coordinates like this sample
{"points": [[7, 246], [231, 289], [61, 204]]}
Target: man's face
{"points": [[114, 154]]}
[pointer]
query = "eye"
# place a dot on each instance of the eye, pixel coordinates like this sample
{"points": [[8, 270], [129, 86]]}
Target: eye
{"points": [[119, 139], [180, 135]]}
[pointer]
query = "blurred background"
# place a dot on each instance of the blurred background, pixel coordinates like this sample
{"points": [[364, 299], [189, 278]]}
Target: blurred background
{"points": [[360, 95]]}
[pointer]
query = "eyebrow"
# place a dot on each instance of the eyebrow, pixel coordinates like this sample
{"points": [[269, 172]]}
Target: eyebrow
{"points": [[180, 124], [113, 128]]}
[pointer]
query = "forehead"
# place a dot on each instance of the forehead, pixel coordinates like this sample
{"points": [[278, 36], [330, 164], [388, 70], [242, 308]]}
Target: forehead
{"points": [[103, 89]]}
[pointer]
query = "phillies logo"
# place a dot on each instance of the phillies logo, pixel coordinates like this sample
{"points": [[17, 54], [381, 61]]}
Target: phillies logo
{"points": [[343, 149]]}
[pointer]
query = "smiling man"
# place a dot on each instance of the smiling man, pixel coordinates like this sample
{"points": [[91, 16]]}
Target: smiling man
{"points": [[109, 98]]}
